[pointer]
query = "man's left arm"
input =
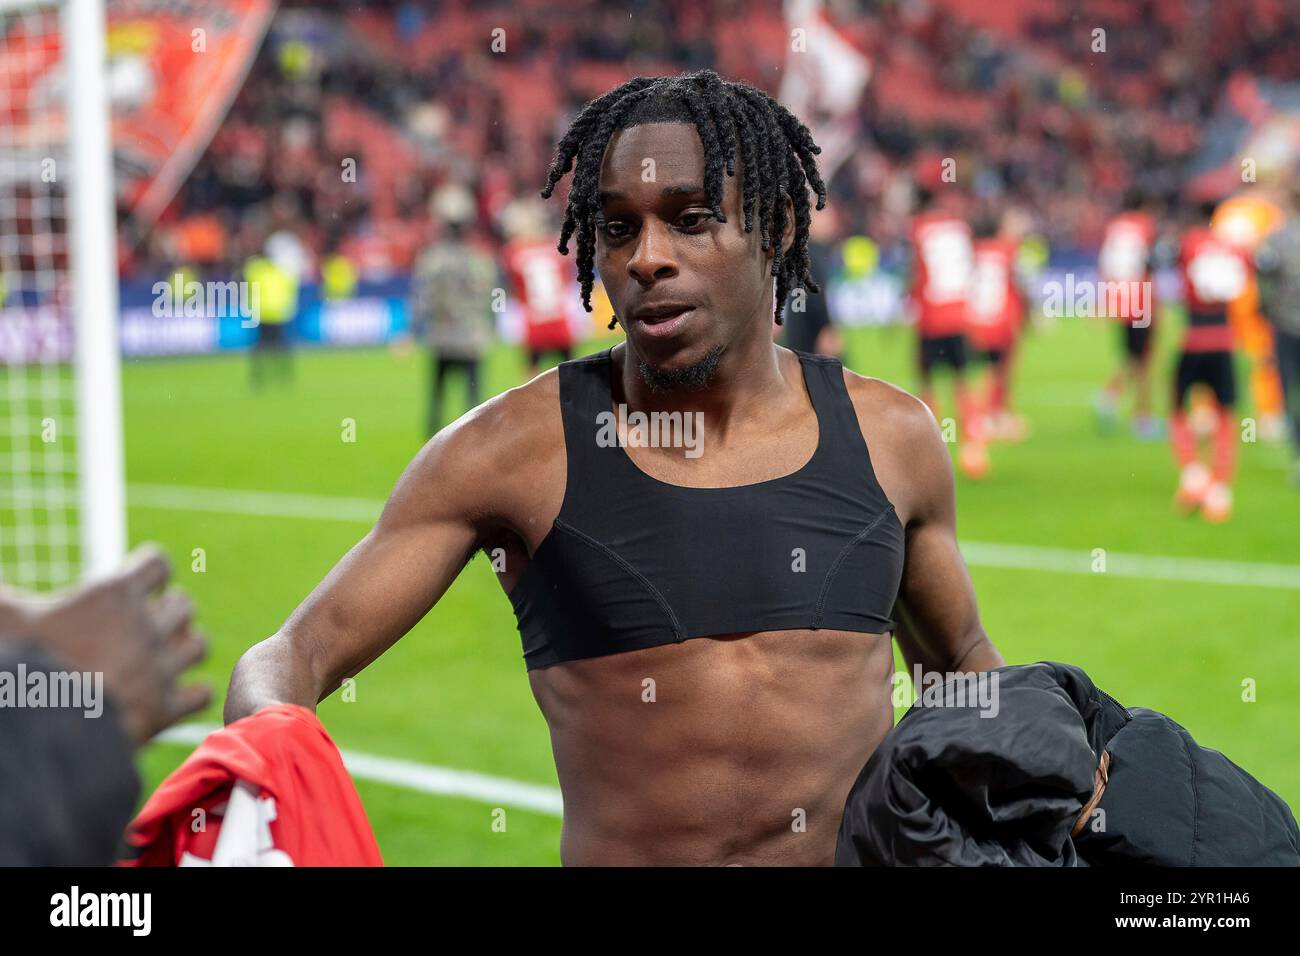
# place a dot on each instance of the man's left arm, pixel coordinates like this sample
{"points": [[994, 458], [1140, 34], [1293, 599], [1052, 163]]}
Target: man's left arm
{"points": [[937, 616]]}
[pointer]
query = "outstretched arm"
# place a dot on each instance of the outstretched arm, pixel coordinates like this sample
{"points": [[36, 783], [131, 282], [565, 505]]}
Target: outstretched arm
{"points": [[388, 581]]}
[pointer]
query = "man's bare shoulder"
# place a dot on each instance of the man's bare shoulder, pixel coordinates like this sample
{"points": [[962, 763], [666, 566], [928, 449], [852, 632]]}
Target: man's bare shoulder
{"points": [[892, 412], [908, 453]]}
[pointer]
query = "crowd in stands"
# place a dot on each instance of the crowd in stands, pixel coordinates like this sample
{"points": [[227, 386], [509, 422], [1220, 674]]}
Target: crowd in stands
{"points": [[354, 119]]}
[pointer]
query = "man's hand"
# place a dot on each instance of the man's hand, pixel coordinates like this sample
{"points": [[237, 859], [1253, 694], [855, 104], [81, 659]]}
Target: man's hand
{"points": [[128, 627]]}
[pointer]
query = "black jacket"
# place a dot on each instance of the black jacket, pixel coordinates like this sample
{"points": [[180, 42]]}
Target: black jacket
{"points": [[949, 787], [67, 781]]}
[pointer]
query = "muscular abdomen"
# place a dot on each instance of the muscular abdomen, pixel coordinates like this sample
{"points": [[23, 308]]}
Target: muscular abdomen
{"points": [[739, 749]]}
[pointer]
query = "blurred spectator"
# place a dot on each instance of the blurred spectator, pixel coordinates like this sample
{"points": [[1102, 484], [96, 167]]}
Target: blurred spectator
{"points": [[362, 112], [451, 309]]}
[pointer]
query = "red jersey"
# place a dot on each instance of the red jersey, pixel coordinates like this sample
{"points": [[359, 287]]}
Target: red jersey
{"points": [[1126, 257], [994, 306], [542, 279], [267, 790], [1214, 273], [941, 271]]}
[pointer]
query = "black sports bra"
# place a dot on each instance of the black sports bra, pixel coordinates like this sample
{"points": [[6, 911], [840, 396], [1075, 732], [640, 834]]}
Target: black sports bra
{"points": [[633, 562]]}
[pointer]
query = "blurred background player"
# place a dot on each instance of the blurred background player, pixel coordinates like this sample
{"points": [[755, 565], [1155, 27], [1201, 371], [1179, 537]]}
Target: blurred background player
{"points": [[1244, 221], [1214, 274], [278, 271], [277, 300], [808, 324], [1126, 257], [1277, 264], [995, 310], [541, 278], [452, 299], [942, 255]]}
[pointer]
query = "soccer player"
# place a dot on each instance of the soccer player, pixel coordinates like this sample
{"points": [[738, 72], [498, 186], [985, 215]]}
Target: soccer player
{"points": [[1214, 273], [539, 276], [942, 255], [1126, 258], [995, 311], [1244, 221], [707, 635], [1278, 271]]}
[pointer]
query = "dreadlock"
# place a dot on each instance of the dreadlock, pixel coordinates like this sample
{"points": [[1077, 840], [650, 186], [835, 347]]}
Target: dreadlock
{"points": [[776, 149]]}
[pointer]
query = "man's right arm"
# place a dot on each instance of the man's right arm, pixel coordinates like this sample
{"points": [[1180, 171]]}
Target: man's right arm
{"points": [[429, 529]]}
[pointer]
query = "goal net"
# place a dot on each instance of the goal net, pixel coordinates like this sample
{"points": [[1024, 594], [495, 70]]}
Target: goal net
{"points": [[62, 509]]}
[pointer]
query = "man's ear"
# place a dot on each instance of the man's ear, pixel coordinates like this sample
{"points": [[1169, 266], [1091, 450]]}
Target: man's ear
{"points": [[787, 234]]}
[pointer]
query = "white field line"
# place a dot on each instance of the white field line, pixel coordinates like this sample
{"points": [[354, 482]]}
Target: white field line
{"points": [[496, 791], [266, 504], [1153, 567], [980, 554]]}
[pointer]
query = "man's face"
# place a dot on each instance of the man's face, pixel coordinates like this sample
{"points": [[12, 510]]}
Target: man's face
{"points": [[684, 286]]}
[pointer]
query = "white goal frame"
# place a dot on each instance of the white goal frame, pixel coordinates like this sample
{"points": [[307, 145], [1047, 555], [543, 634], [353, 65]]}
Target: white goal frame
{"points": [[92, 274]]}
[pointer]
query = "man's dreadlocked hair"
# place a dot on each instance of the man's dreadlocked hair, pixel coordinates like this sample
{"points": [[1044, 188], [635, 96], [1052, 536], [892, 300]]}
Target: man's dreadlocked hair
{"points": [[777, 151]]}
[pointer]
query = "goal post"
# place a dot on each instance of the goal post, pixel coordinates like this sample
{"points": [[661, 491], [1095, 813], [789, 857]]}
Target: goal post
{"points": [[62, 476], [93, 229]]}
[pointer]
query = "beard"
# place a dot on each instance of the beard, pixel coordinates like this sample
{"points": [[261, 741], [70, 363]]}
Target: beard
{"points": [[690, 378]]}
